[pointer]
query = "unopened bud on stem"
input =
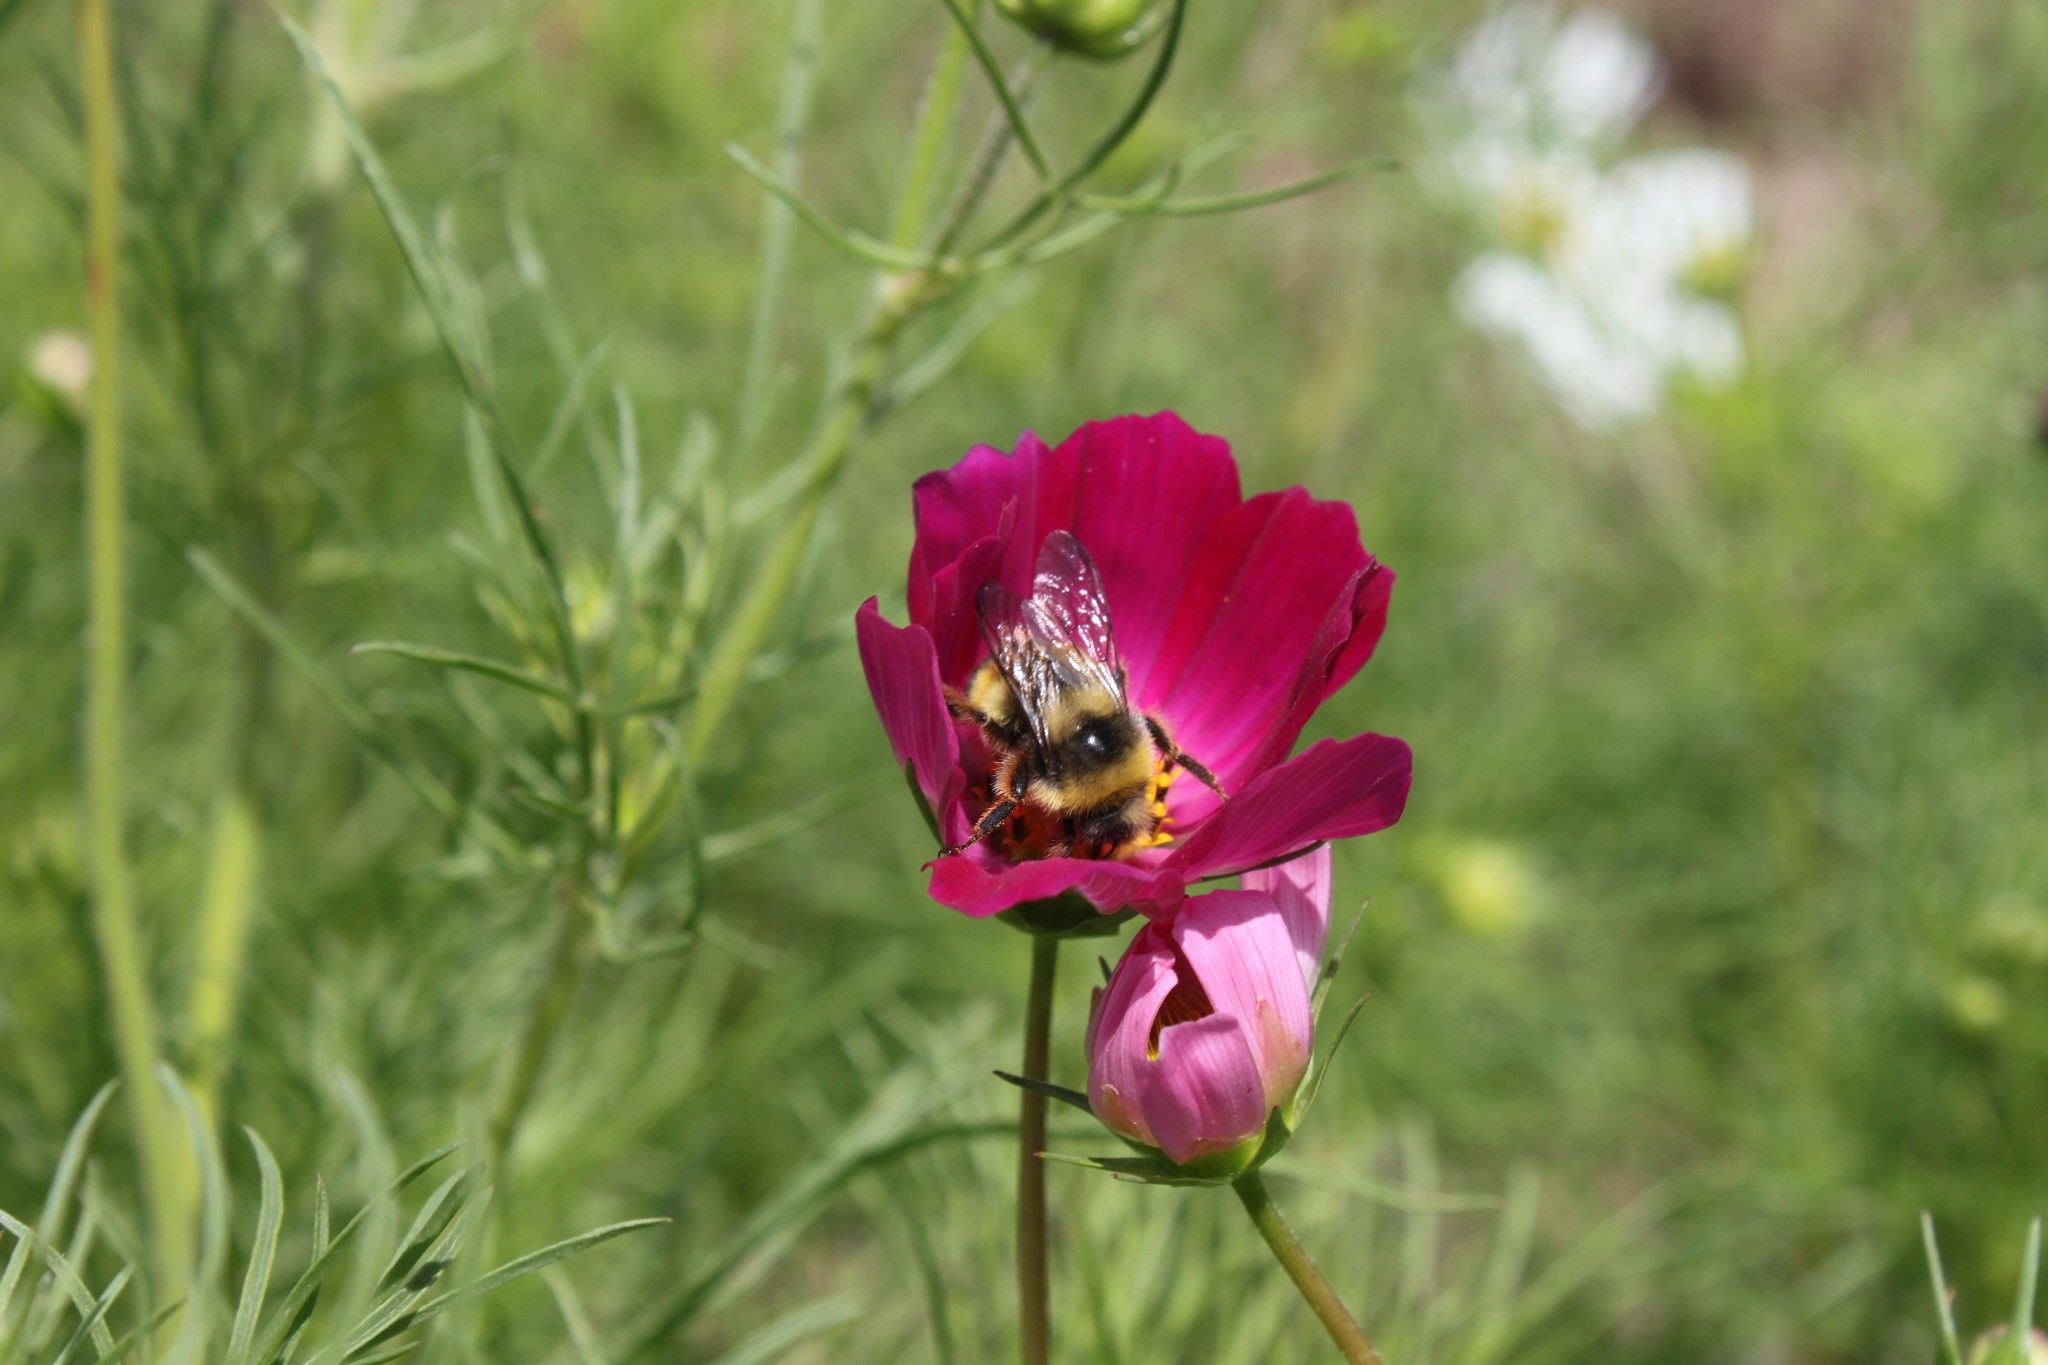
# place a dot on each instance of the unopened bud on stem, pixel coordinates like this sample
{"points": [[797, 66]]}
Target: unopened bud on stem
{"points": [[1103, 29]]}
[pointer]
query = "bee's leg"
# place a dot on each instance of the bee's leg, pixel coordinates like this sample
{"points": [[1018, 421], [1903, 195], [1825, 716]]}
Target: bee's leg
{"points": [[1007, 785], [991, 820], [1181, 757]]}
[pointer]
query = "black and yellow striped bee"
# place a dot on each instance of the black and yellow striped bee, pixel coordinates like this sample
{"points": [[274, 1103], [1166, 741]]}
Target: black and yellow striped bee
{"points": [[1064, 740]]}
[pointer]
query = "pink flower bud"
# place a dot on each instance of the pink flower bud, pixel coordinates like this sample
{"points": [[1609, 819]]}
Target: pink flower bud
{"points": [[1205, 1029]]}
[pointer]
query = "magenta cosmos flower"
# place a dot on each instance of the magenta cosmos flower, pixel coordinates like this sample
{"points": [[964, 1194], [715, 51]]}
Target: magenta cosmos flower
{"points": [[1205, 1028], [1233, 619]]}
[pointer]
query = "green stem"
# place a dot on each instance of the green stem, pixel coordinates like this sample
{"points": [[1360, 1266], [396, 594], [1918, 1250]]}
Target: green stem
{"points": [[898, 298], [790, 120], [228, 899], [895, 299], [226, 914], [988, 157], [1265, 1215], [928, 143], [1031, 1260], [165, 1174], [563, 972]]}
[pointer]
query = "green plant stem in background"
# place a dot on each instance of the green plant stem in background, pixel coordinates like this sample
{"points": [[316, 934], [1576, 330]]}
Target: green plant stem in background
{"points": [[165, 1173], [568, 951], [934, 125], [790, 122], [1032, 1295], [896, 298], [226, 910], [1265, 1215]]}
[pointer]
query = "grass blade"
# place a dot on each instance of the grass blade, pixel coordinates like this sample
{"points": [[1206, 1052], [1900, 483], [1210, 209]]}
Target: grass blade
{"points": [[2030, 1276], [94, 1319], [67, 1279], [262, 1253], [531, 1262], [69, 1162]]}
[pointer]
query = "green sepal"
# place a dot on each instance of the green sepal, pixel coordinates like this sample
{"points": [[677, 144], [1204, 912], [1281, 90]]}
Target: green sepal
{"points": [[1153, 1167], [931, 821], [1062, 1093], [1067, 915], [1305, 1094]]}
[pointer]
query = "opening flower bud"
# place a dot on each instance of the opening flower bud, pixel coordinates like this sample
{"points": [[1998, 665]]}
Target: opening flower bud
{"points": [[1103, 29], [1204, 1029]]}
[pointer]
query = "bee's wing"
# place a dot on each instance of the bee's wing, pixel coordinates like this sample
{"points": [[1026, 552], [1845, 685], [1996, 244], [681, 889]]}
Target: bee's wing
{"points": [[1058, 639], [1069, 609]]}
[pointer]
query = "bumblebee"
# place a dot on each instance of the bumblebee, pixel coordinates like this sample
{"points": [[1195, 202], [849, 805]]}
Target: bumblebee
{"points": [[1065, 743]]}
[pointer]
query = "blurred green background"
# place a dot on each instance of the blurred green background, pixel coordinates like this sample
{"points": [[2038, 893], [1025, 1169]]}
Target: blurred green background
{"points": [[1710, 951]]}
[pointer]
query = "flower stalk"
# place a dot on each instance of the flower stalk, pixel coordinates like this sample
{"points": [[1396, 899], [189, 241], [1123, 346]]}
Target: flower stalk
{"points": [[1336, 1318], [165, 1174], [1032, 1281]]}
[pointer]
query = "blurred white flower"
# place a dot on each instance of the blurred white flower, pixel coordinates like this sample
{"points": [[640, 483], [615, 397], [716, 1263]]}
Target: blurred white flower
{"points": [[1613, 278], [62, 363], [1536, 80]]}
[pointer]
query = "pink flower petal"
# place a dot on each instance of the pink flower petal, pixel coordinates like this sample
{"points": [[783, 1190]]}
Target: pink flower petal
{"points": [[1146, 495], [1301, 892], [982, 889], [1140, 492], [1120, 1031], [1204, 1094], [903, 679], [1261, 628], [956, 507], [1336, 789], [1239, 946]]}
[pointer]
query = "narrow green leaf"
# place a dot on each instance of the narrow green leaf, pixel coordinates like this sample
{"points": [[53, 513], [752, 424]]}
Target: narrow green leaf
{"points": [[1314, 1085], [145, 1331], [442, 1206], [2030, 1278], [531, 1262], [430, 279], [1046, 1088], [262, 1252], [792, 116], [194, 1332], [851, 240], [94, 1319], [1944, 1302], [289, 1318], [993, 69], [583, 1338], [495, 669], [69, 1162], [792, 1329], [1144, 1170], [790, 1207], [67, 1279], [398, 1352], [1195, 206], [1328, 974], [398, 1312], [366, 730]]}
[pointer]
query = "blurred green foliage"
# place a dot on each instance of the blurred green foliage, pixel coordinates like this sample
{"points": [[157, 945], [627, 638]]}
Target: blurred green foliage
{"points": [[1710, 951]]}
